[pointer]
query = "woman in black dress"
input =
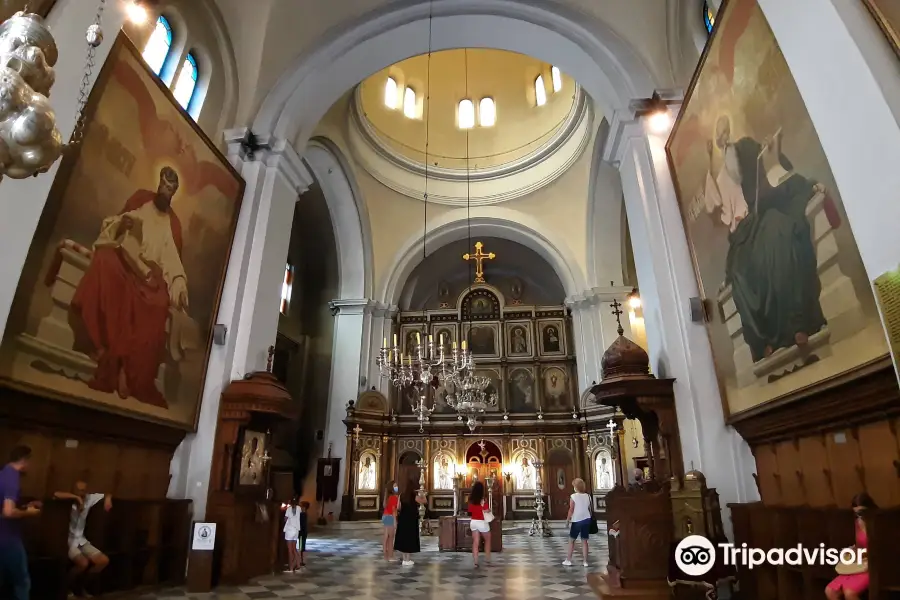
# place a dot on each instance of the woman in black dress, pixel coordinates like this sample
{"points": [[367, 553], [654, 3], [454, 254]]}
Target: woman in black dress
{"points": [[407, 537]]}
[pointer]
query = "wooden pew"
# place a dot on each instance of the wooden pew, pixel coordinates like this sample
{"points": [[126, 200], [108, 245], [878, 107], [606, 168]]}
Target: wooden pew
{"points": [[769, 527], [146, 541]]}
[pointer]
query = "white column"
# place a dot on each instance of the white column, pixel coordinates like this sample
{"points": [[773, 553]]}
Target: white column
{"points": [[582, 332], [272, 186], [350, 316], [22, 200], [856, 120], [679, 348]]}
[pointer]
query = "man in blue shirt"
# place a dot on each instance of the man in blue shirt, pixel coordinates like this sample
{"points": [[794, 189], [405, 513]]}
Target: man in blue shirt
{"points": [[13, 560]]}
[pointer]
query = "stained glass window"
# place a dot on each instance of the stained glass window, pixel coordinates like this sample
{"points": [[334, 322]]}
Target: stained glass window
{"points": [[709, 17], [159, 45], [187, 82]]}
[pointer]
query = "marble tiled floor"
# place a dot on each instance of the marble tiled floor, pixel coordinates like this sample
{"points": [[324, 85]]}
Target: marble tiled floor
{"points": [[350, 567]]}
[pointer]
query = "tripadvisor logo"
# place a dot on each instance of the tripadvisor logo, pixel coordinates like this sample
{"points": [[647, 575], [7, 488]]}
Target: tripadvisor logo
{"points": [[695, 556]]}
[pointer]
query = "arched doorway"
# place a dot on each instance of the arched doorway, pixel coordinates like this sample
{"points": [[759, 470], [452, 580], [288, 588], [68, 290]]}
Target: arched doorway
{"points": [[483, 460], [408, 470], [560, 473]]}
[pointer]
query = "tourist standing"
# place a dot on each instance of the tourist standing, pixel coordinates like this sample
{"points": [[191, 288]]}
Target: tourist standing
{"points": [[304, 530], [407, 538], [292, 534], [579, 521], [389, 520], [88, 561], [480, 523], [13, 560]]}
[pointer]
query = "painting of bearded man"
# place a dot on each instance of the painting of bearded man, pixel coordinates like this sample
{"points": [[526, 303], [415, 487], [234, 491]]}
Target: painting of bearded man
{"points": [[120, 308]]}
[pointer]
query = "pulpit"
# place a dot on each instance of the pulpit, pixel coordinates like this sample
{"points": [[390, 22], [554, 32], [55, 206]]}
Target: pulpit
{"points": [[641, 526], [241, 503]]}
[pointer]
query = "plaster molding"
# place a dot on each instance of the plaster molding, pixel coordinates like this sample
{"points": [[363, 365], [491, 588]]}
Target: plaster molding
{"points": [[598, 295], [276, 153], [351, 306], [487, 186], [611, 70]]}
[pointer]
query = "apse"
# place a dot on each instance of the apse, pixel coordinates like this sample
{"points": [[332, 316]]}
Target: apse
{"points": [[518, 272]]}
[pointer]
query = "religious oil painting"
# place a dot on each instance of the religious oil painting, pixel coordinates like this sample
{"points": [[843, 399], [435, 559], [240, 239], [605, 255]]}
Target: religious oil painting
{"points": [[521, 392], [444, 469], [119, 293], [518, 339], [444, 334], [555, 389], [367, 472], [39, 7], [525, 472], [483, 339], [603, 470], [494, 387], [887, 14], [771, 244], [410, 338], [253, 449], [550, 333]]}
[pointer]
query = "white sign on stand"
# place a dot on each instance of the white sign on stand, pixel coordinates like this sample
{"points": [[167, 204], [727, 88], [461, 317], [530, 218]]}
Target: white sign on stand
{"points": [[204, 536]]}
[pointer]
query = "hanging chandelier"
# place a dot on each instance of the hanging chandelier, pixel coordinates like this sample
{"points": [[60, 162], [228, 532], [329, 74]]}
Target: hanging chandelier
{"points": [[30, 142]]}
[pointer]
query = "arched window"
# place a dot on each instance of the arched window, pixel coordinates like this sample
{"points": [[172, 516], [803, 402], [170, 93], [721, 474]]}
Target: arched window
{"points": [[159, 45], [466, 114], [187, 82], [487, 112], [391, 93], [557, 78], [540, 92], [409, 103], [709, 17]]}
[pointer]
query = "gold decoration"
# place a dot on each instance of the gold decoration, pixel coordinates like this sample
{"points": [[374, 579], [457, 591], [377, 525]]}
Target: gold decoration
{"points": [[479, 257]]}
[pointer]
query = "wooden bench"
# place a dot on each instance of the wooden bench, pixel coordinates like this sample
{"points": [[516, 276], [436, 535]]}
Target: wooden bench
{"points": [[768, 527], [146, 541]]}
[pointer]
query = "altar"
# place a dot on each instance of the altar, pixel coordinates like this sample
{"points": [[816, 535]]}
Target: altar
{"points": [[456, 536]]}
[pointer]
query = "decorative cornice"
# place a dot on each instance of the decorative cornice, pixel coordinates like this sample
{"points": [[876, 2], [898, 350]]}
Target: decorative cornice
{"points": [[274, 153], [597, 295], [488, 186], [351, 306]]}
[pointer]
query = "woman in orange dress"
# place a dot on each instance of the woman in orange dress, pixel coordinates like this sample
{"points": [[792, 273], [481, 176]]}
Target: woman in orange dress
{"points": [[850, 587]]}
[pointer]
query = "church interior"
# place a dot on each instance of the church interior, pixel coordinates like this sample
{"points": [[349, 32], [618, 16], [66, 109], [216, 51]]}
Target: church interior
{"points": [[405, 298]]}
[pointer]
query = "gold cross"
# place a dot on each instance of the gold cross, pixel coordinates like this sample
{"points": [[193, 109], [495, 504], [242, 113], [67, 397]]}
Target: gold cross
{"points": [[479, 257], [356, 431]]}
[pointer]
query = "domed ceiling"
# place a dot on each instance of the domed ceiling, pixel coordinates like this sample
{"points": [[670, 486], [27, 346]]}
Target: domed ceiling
{"points": [[531, 127]]}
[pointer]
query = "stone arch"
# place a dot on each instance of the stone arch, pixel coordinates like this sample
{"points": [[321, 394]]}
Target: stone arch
{"points": [[349, 216], [492, 221], [597, 57]]}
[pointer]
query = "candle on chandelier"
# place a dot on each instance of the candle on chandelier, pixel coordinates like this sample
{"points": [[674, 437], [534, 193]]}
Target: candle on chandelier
{"points": [[430, 339], [384, 345], [464, 344], [395, 340], [442, 340], [418, 338], [454, 345]]}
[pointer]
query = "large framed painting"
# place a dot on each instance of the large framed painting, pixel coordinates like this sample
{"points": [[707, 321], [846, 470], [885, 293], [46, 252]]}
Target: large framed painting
{"points": [[483, 338], [887, 14], [556, 394], [521, 391], [39, 7], [119, 293], [772, 248]]}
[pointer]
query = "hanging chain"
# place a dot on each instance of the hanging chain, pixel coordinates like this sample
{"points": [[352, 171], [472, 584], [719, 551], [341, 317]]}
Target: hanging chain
{"points": [[94, 38]]}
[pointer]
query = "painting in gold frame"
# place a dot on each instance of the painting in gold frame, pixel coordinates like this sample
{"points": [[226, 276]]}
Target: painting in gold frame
{"points": [[887, 15], [116, 303], [771, 245]]}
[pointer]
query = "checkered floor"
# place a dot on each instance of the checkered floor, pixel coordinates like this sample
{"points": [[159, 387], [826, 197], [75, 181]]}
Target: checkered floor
{"points": [[350, 567]]}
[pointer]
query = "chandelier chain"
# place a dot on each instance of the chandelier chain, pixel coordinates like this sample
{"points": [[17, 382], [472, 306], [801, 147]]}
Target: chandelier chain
{"points": [[87, 77]]}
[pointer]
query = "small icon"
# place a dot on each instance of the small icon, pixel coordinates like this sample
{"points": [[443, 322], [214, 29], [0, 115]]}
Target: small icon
{"points": [[695, 555], [204, 532]]}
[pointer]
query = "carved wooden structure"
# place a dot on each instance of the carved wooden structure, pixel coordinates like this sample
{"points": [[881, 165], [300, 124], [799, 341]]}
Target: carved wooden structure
{"points": [[248, 522], [640, 519], [456, 535]]}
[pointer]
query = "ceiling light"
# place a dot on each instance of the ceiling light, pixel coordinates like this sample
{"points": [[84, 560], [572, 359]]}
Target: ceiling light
{"points": [[136, 13], [660, 121], [656, 110]]}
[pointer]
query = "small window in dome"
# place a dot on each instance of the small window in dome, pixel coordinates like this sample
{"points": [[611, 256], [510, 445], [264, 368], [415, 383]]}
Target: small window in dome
{"points": [[487, 112], [391, 93], [557, 79], [409, 103], [466, 114], [540, 92], [709, 17]]}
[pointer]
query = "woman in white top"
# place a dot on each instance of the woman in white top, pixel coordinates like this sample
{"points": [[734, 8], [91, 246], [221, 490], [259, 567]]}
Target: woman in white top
{"points": [[579, 520], [292, 533]]}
